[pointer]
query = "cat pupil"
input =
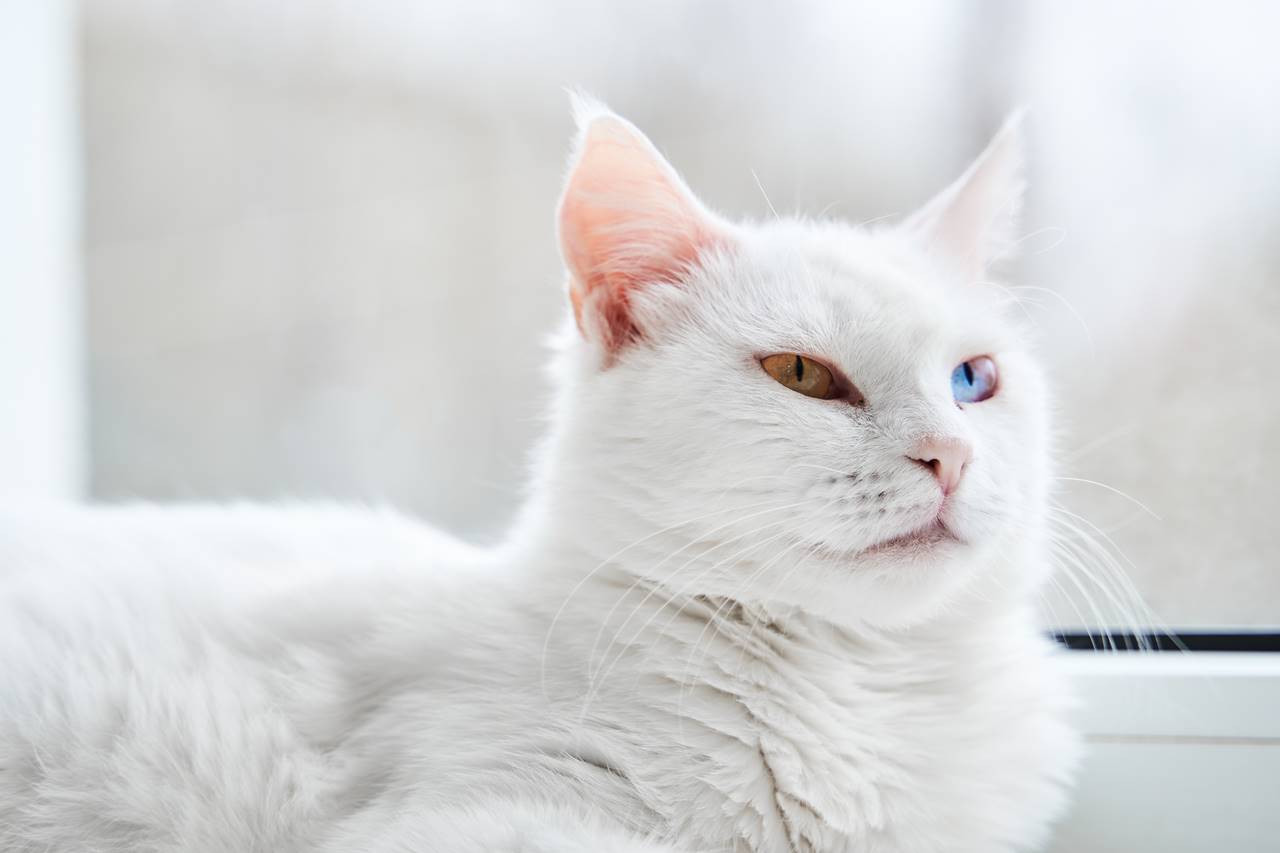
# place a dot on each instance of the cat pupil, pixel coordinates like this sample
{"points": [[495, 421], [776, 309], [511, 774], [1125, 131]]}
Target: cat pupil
{"points": [[799, 368], [968, 373]]}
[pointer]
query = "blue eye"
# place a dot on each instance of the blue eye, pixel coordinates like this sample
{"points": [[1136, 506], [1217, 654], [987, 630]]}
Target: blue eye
{"points": [[974, 380]]}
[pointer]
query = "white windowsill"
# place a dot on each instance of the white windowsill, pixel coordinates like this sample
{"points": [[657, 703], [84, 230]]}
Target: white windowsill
{"points": [[1182, 753]]}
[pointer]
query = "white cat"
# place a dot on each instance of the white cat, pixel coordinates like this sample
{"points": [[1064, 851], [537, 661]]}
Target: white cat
{"points": [[772, 591]]}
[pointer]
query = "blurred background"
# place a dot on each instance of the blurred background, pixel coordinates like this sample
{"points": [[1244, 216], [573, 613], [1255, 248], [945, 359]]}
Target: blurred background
{"points": [[238, 239]]}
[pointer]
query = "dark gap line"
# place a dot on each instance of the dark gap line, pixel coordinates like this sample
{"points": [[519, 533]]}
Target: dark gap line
{"points": [[1189, 641]]}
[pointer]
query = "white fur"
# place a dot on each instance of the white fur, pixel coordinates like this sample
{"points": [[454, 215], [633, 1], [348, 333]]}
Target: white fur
{"points": [[680, 647]]}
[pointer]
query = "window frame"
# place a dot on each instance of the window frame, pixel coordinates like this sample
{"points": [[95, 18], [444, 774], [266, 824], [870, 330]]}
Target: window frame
{"points": [[1182, 744]]}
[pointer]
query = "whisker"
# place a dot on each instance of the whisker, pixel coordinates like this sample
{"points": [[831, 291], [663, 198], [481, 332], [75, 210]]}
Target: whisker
{"points": [[1133, 612], [1064, 595], [760, 187], [1139, 611], [697, 577], [1101, 441], [760, 611], [582, 582], [599, 633], [605, 667], [1088, 333], [1114, 491], [1100, 621], [737, 599]]}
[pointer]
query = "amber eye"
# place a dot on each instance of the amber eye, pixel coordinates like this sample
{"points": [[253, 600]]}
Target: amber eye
{"points": [[801, 374]]}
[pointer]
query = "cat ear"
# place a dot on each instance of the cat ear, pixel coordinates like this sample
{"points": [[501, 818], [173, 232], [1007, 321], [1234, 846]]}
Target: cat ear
{"points": [[626, 221], [974, 222]]}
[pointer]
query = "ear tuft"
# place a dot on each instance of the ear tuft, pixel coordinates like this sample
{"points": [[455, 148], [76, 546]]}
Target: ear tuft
{"points": [[974, 222], [585, 108], [626, 221]]}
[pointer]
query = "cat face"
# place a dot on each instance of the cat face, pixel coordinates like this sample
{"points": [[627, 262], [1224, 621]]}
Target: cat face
{"points": [[793, 398]]}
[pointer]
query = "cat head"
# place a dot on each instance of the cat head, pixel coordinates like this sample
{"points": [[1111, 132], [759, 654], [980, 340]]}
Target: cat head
{"points": [[828, 417]]}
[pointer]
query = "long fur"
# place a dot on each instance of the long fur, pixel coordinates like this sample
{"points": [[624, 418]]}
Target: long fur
{"points": [[689, 642]]}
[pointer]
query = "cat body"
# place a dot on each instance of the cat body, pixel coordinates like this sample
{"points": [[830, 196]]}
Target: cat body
{"points": [[731, 616], [261, 682]]}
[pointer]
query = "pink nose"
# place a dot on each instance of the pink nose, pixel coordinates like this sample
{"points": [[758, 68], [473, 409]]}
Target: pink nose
{"points": [[946, 456]]}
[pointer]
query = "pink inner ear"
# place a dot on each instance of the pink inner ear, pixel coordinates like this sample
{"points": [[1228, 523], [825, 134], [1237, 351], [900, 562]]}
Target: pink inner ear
{"points": [[626, 221]]}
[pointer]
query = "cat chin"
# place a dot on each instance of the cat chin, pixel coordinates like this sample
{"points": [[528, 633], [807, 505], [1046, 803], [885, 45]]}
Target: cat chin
{"points": [[894, 584]]}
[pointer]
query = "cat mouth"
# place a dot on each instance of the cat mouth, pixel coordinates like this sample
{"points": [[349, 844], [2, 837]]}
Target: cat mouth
{"points": [[931, 536]]}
